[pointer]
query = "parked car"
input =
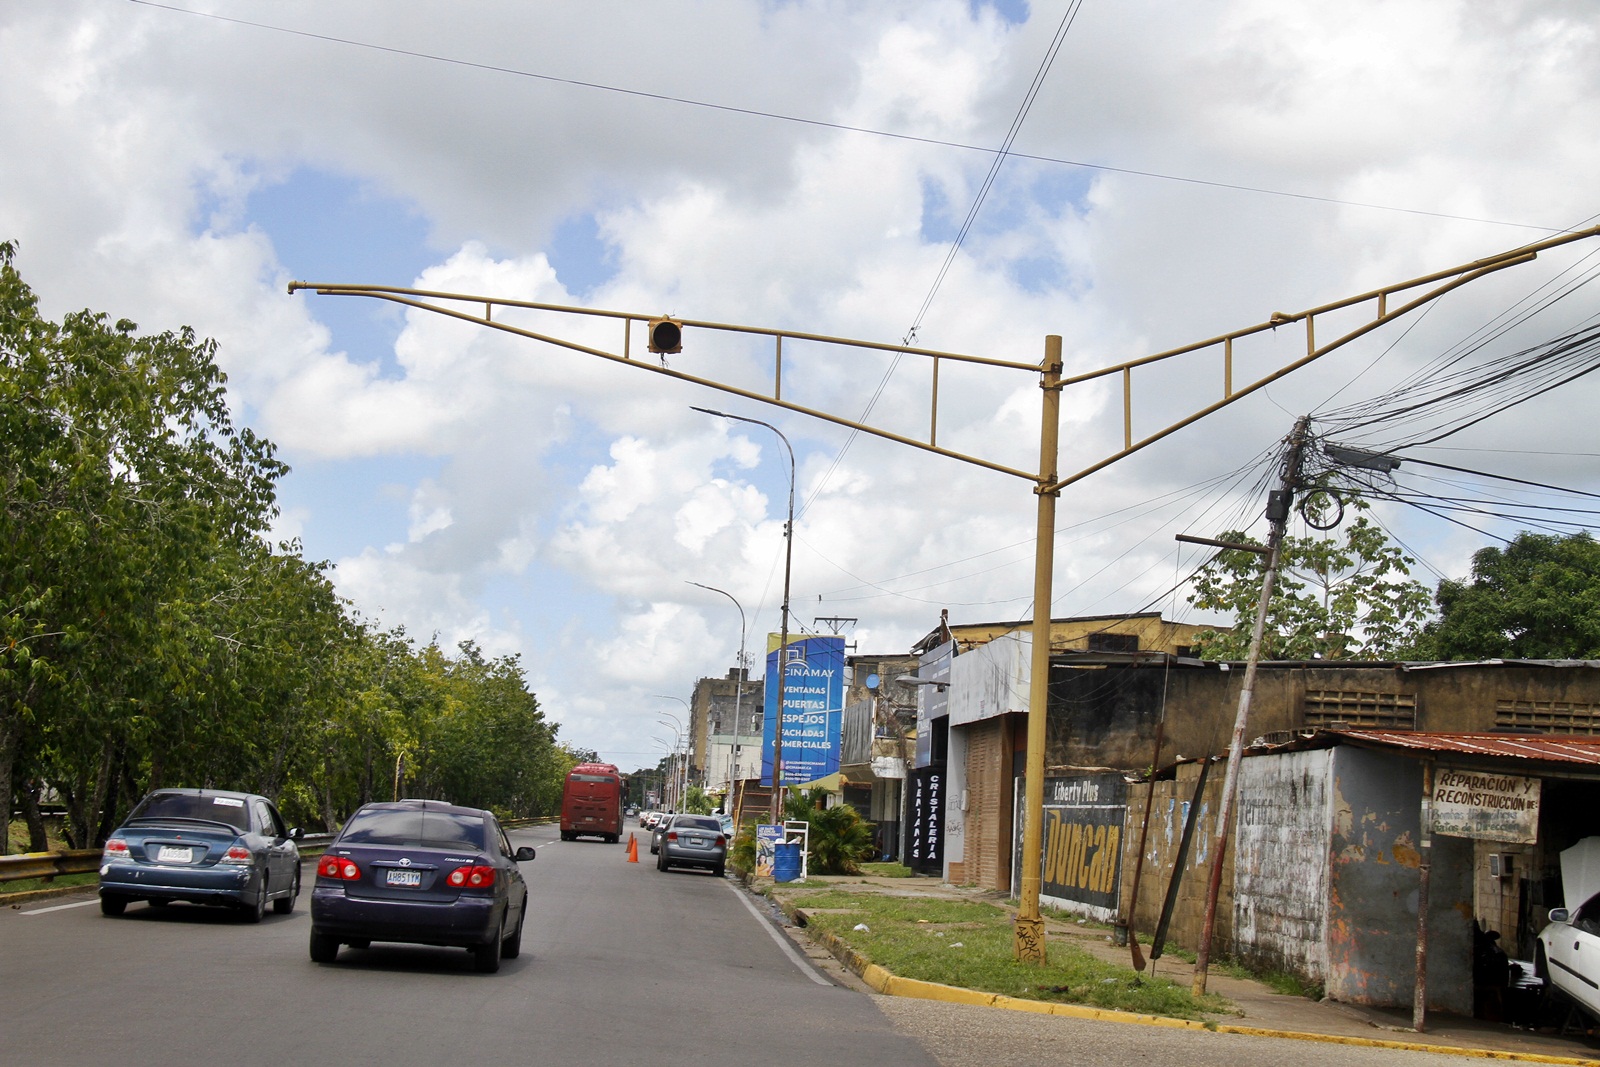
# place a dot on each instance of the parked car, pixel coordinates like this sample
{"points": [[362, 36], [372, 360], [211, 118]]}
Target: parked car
{"points": [[423, 872], [727, 826], [202, 846], [1568, 954], [693, 841], [657, 828]]}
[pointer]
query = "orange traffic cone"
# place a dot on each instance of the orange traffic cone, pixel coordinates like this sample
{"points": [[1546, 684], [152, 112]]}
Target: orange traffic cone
{"points": [[633, 849]]}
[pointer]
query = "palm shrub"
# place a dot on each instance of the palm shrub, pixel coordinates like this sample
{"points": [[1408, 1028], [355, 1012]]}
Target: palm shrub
{"points": [[742, 855], [840, 839], [695, 801]]}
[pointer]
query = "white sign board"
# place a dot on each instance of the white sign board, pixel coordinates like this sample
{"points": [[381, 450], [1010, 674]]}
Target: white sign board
{"points": [[1486, 806]]}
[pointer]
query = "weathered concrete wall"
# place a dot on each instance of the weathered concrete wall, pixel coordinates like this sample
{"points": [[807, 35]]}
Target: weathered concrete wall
{"points": [[1169, 809], [1373, 890], [1106, 716], [1284, 838]]}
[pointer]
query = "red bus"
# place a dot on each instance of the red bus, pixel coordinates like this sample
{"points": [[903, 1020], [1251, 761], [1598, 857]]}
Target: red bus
{"points": [[591, 803]]}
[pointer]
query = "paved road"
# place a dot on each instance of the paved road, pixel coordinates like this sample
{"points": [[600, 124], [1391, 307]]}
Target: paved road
{"points": [[621, 964]]}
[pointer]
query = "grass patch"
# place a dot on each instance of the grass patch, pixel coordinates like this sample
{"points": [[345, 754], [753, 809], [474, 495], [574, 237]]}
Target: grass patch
{"points": [[17, 835], [23, 885], [887, 870], [1291, 985], [969, 944]]}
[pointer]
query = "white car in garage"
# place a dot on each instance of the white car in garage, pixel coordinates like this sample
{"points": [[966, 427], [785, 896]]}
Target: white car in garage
{"points": [[1568, 956]]}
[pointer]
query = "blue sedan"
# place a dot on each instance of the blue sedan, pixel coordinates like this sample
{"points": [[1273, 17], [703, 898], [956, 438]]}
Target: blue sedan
{"points": [[422, 872], [202, 846]]}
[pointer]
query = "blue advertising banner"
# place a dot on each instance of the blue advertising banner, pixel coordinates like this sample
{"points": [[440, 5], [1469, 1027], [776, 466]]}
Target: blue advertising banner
{"points": [[813, 703]]}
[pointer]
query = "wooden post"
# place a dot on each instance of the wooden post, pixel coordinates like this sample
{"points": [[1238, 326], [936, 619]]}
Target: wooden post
{"points": [[1419, 996]]}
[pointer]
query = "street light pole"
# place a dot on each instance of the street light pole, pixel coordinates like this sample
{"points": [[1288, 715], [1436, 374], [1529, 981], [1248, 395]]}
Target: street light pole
{"points": [[783, 637], [738, 689], [674, 769], [666, 783], [685, 737]]}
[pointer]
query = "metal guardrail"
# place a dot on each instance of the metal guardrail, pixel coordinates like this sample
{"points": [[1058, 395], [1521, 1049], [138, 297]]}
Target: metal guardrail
{"points": [[49, 865]]}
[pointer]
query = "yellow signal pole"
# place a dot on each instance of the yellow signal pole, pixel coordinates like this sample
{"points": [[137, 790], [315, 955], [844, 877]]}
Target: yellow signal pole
{"points": [[1028, 935]]}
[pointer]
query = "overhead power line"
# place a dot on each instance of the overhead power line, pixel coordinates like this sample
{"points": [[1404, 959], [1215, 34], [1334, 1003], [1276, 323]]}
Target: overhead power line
{"points": [[775, 116]]}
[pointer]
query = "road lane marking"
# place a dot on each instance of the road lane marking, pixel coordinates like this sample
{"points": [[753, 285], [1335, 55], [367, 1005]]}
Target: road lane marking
{"points": [[62, 907], [783, 942]]}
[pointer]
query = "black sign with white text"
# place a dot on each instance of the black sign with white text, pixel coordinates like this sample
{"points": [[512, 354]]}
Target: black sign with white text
{"points": [[925, 814]]}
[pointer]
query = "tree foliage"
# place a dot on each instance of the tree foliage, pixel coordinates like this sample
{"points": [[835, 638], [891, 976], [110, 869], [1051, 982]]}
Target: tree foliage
{"points": [[1536, 598], [152, 635], [1349, 596]]}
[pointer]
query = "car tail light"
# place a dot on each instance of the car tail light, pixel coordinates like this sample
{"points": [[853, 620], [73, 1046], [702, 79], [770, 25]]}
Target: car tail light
{"points": [[338, 868], [235, 854], [672, 836], [722, 842], [116, 849], [472, 877]]}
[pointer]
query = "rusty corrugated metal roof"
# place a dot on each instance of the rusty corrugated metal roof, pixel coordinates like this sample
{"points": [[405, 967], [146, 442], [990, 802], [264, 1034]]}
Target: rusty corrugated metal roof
{"points": [[1543, 748]]}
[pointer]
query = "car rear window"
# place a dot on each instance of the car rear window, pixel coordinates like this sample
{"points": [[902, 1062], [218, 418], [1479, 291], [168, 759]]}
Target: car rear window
{"points": [[697, 822], [415, 829], [230, 810]]}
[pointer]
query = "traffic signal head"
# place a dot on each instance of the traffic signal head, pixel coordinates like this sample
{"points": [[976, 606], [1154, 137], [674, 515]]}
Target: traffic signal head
{"points": [[666, 336]]}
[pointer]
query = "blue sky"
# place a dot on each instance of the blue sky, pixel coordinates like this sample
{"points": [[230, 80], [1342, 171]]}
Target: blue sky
{"points": [[800, 166]]}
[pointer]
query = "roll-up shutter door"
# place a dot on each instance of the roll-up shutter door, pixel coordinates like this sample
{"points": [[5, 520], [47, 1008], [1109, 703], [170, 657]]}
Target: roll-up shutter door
{"points": [[988, 779]]}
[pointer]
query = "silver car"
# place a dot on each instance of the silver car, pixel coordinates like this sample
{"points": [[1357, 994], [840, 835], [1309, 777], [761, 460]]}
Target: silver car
{"points": [[692, 841]]}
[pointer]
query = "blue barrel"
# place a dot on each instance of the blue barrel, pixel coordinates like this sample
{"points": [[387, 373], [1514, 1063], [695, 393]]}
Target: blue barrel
{"points": [[786, 862]]}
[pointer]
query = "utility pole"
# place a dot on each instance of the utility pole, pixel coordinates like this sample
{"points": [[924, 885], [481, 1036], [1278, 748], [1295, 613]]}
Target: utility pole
{"points": [[1279, 503]]}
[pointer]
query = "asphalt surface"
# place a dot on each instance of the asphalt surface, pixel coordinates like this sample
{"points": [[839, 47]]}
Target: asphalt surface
{"points": [[621, 964]]}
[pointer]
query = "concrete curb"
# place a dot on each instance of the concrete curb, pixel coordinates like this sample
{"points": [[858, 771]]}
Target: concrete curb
{"points": [[882, 981], [27, 895]]}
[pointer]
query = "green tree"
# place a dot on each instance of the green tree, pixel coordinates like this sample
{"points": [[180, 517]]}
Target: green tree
{"points": [[491, 740], [151, 635], [1349, 596], [1536, 598], [122, 479]]}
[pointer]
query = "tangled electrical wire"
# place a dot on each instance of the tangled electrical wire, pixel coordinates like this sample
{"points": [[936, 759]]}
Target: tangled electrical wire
{"points": [[1436, 404]]}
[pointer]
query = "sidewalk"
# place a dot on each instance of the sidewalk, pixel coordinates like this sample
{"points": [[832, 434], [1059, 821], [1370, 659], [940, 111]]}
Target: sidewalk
{"points": [[1260, 1009]]}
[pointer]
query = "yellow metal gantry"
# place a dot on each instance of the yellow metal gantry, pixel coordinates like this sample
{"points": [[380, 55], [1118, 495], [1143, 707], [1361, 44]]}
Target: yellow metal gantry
{"points": [[1389, 302]]}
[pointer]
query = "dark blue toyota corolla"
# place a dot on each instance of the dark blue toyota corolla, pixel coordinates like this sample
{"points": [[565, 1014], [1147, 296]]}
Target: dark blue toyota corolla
{"points": [[203, 846], [422, 872]]}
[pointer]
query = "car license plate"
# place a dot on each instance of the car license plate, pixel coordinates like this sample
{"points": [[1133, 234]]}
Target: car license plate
{"points": [[405, 877], [697, 842], [174, 854]]}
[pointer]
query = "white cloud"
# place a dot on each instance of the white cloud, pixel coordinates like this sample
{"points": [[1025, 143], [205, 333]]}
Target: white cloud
{"points": [[539, 499]]}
